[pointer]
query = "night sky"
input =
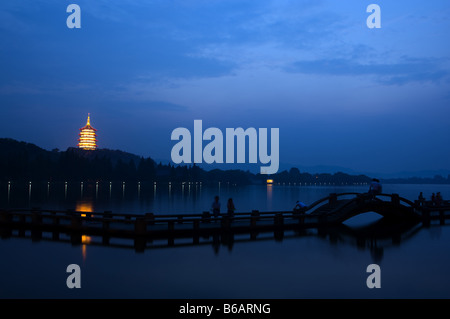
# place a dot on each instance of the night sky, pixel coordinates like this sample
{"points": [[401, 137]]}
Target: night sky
{"points": [[341, 94]]}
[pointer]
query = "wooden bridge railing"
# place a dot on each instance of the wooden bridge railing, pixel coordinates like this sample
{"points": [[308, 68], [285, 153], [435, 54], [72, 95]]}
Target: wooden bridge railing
{"points": [[395, 198], [329, 198], [141, 223], [36, 214]]}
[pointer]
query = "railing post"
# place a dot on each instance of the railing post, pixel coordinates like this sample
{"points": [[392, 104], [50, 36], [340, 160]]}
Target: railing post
{"points": [[36, 221], [140, 229], [426, 218], [55, 219], [4, 217], [139, 244], [278, 230], [5, 231], [75, 222], [106, 220], [196, 225], [140, 226], [360, 198], [301, 219], [278, 219], [105, 240], [75, 225], [333, 199], [254, 217], [107, 214], [395, 199], [170, 237], [323, 219], [70, 212], [22, 223], [150, 218], [36, 217], [206, 217], [441, 217], [55, 223], [225, 222]]}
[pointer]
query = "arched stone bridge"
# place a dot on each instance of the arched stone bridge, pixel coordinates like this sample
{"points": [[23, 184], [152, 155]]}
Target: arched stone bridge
{"points": [[336, 209]]}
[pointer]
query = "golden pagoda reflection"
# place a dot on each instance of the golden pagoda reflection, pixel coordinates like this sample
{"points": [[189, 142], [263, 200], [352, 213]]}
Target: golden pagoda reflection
{"points": [[85, 240], [269, 194], [87, 140], [84, 207]]}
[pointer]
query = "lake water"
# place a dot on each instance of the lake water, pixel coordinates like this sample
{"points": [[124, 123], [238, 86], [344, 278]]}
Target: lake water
{"points": [[307, 265]]}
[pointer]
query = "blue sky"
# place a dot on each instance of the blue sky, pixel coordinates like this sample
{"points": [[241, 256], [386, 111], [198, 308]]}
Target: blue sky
{"points": [[373, 100]]}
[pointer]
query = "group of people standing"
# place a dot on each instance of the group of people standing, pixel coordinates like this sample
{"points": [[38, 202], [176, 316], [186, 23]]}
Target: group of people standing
{"points": [[215, 207], [436, 199], [375, 188]]}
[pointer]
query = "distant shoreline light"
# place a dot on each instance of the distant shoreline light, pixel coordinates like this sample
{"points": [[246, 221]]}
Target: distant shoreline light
{"points": [[88, 137]]}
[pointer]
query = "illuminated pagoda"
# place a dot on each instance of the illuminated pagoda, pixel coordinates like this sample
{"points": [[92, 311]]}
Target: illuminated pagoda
{"points": [[87, 140]]}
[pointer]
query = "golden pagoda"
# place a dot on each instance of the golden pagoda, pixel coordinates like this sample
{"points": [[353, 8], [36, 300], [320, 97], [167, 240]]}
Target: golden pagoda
{"points": [[87, 140]]}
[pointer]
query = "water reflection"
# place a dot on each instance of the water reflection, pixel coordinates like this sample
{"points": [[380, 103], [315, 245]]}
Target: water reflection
{"points": [[9, 191], [187, 197], [170, 190], [244, 262], [139, 190], [376, 237], [84, 206], [85, 240], [269, 196]]}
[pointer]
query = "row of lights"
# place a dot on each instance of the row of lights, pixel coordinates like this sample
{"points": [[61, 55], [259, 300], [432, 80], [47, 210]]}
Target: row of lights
{"points": [[200, 183]]}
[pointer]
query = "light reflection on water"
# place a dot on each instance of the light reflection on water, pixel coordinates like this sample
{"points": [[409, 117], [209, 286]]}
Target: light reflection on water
{"points": [[159, 198], [313, 264]]}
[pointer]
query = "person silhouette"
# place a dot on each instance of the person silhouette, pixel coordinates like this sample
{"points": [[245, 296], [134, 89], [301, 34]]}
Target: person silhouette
{"points": [[230, 207], [299, 205], [375, 187], [438, 199], [421, 199], [215, 207]]}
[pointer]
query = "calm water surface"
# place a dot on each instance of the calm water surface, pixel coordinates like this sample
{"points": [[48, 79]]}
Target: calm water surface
{"points": [[307, 265]]}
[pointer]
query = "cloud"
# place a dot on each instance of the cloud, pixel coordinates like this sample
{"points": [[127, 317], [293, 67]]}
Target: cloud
{"points": [[406, 71], [157, 105]]}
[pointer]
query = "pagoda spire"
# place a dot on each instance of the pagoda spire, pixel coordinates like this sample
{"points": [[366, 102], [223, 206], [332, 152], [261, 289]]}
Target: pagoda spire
{"points": [[88, 137]]}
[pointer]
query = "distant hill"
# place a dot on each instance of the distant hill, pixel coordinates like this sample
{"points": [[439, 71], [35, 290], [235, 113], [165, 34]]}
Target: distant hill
{"points": [[10, 146], [114, 155], [21, 160]]}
